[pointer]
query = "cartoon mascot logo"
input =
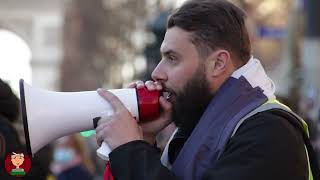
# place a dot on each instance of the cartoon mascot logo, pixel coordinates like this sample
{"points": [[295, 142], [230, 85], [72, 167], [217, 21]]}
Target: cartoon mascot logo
{"points": [[17, 164]]}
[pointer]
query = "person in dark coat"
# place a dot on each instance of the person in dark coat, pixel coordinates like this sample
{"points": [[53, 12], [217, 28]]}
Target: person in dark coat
{"points": [[9, 112], [230, 124], [71, 159], [9, 138]]}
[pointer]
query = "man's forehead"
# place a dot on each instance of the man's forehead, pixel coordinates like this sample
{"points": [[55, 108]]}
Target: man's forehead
{"points": [[175, 39], [165, 47]]}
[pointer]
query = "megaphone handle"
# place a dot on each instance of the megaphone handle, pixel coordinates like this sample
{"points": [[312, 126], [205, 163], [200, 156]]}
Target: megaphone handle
{"points": [[104, 151]]}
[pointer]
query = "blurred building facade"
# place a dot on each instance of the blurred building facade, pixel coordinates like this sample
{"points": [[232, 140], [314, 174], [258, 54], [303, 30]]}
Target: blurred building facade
{"points": [[39, 24]]}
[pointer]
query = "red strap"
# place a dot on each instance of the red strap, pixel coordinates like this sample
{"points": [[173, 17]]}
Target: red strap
{"points": [[107, 173]]}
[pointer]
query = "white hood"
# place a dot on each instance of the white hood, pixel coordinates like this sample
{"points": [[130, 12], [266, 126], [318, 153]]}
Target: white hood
{"points": [[256, 76]]}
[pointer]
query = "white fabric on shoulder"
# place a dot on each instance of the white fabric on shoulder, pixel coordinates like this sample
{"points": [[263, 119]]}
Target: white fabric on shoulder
{"points": [[256, 76]]}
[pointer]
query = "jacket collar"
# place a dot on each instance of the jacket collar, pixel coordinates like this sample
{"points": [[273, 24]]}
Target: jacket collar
{"points": [[256, 76]]}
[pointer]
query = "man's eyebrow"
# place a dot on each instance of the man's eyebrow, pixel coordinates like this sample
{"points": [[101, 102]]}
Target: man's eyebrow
{"points": [[169, 52]]}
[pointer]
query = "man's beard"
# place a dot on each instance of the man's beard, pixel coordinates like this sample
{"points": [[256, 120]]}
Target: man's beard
{"points": [[191, 103]]}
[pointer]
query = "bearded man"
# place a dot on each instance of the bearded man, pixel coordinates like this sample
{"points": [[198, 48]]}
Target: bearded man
{"points": [[230, 125]]}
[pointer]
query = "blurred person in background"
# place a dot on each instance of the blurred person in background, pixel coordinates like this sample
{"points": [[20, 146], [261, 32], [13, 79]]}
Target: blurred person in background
{"points": [[71, 159], [9, 112], [10, 141], [306, 105]]}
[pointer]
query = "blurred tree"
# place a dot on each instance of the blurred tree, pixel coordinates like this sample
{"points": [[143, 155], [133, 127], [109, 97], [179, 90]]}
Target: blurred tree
{"points": [[295, 34], [276, 52], [98, 40], [152, 50]]}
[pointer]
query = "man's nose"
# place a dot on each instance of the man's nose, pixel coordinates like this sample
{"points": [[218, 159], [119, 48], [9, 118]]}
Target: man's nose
{"points": [[159, 74]]}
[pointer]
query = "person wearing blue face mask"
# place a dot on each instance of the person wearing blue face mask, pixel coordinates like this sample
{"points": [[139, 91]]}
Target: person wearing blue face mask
{"points": [[63, 155], [70, 160]]}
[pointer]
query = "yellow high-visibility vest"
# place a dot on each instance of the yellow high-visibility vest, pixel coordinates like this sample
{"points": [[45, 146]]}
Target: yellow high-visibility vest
{"points": [[275, 104]]}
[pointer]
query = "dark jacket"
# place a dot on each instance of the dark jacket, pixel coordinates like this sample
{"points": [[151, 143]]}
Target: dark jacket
{"points": [[9, 142], [265, 147], [77, 172], [9, 139]]}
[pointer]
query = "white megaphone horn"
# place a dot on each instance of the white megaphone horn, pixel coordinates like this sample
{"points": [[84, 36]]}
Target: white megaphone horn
{"points": [[49, 115]]}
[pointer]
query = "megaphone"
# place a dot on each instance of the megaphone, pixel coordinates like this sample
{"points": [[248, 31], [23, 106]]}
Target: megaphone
{"points": [[49, 115]]}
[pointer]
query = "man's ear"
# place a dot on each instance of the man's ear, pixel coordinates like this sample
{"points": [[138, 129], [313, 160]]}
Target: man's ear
{"points": [[218, 62]]}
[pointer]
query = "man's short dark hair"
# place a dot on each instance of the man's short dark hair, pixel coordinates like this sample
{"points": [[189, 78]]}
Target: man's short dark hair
{"points": [[214, 24]]}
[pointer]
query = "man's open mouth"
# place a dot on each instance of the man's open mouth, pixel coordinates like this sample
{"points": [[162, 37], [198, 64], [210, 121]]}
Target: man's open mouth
{"points": [[168, 95]]}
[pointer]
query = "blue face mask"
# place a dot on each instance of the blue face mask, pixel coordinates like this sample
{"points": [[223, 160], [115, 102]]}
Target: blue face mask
{"points": [[63, 155]]}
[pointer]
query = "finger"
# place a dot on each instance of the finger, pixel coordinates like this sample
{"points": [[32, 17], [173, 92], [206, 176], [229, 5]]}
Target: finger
{"points": [[105, 116], [100, 132], [114, 101], [150, 85], [139, 84], [132, 85], [166, 105], [99, 138], [158, 86], [101, 126]]}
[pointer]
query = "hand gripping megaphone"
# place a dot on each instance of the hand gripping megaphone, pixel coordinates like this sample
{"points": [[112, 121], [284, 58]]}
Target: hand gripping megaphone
{"points": [[49, 115]]}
